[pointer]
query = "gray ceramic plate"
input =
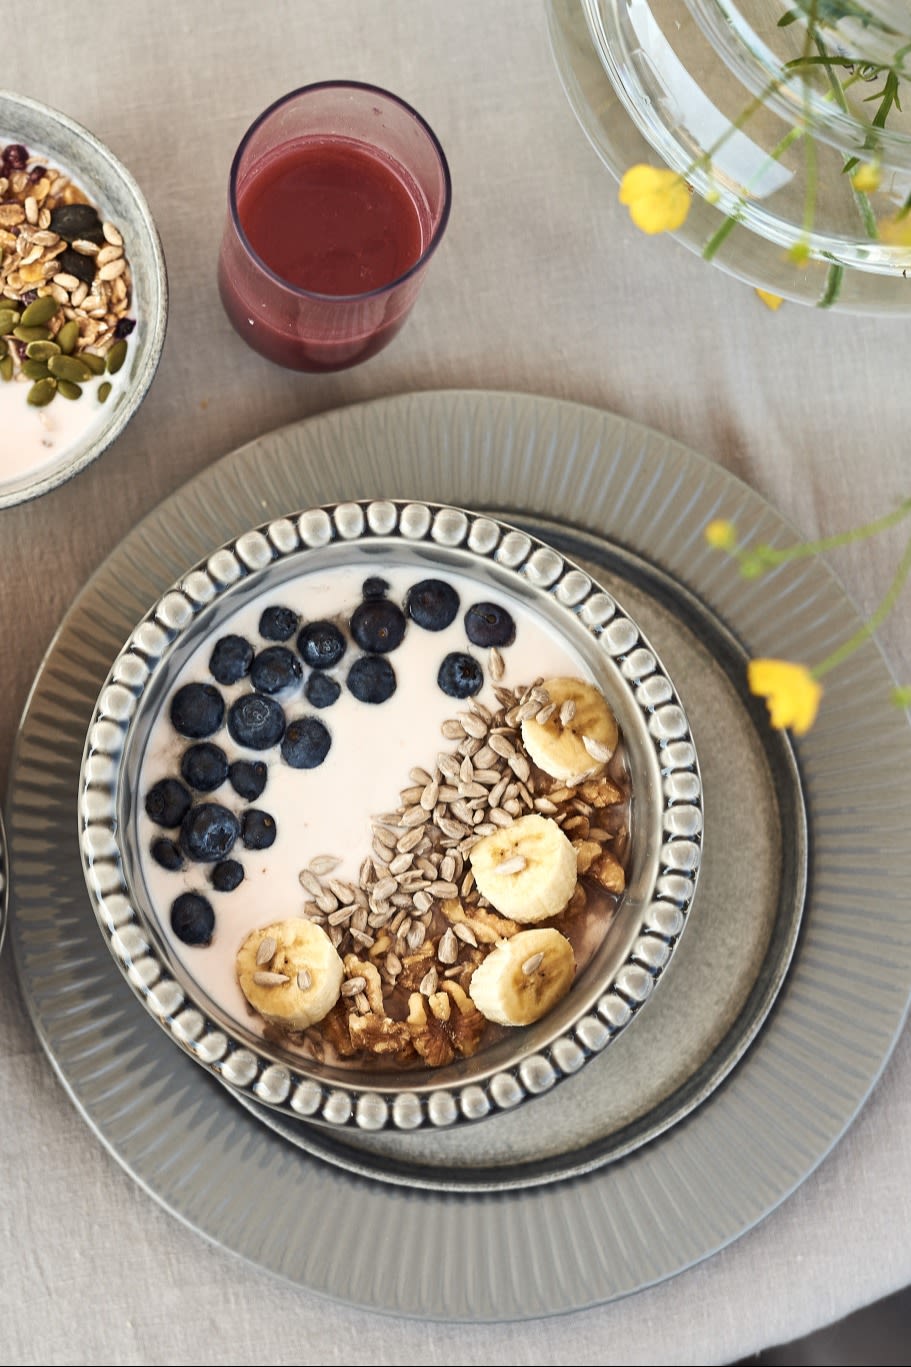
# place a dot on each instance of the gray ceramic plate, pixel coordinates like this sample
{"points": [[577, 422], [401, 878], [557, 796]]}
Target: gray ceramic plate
{"points": [[768, 1032]]}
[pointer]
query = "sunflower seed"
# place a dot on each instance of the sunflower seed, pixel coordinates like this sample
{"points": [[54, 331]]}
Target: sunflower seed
{"points": [[501, 745], [310, 881], [545, 806], [326, 901], [598, 833], [467, 884], [544, 716], [429, 983], [353, 986], [263, 978], [533, 964], [393, 964], [323, 864], [513, 865], [415, 816], [452, 730], [383, 837], [473, 725], [266, 952], [362, 1004], [597, 749], [473, 790], [528, 709], [420, 776], [448, 948], [520, 767], [455, 829], [567, 712], [488, 776], [448, 868], [486, 828], [410, 840], [361, 937], [466, 934], [430, 796], [400, 863], [343, 891], [416, 935], [495, 666], [422, 901], [339, 916], [443, 889], [499, 817], [304, 979]]}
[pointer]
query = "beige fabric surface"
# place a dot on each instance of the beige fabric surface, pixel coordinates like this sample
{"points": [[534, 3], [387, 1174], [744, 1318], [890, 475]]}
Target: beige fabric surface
{"points": [[542, 286]]}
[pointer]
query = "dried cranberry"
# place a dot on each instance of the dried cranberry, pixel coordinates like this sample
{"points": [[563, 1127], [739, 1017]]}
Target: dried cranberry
{"points": [[36, 173], [28, 297], [15, 157], [124, 327]]}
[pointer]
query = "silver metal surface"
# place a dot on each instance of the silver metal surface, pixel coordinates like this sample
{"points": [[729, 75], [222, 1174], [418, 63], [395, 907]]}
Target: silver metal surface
{"points": [[720, 1153], [507, 565]]}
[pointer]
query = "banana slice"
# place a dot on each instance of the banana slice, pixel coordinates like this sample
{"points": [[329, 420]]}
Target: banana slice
{"points": [[290, 973], [578, 737], [523, 977], [526, 870]]}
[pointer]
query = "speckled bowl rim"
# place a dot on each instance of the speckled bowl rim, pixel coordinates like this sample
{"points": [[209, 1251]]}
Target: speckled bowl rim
{"points": [[670, 881], [154, 310]]}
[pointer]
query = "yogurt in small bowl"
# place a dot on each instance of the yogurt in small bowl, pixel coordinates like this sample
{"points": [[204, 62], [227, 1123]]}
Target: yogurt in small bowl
{"points": [[83, 298], [302, 739]]}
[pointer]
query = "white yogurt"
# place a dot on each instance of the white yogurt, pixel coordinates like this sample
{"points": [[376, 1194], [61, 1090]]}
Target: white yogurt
{"points": [[327, 810], [34, 438]]}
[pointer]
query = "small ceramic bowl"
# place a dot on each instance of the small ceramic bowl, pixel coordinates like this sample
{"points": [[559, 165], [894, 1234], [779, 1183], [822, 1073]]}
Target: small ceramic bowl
{"points": [[4, 883], [308, 564], [65, 146]]}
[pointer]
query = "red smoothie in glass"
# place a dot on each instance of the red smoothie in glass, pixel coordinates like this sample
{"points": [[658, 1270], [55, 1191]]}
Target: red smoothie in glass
{"points": [[334, 217]]}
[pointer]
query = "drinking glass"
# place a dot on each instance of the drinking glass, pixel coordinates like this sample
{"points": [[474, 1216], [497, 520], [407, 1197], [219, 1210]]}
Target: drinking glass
{"points": [[339, 195]]}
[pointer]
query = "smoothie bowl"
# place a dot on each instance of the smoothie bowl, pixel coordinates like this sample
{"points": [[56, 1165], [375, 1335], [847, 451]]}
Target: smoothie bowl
{"points": [[390, 815], [83, 298]]}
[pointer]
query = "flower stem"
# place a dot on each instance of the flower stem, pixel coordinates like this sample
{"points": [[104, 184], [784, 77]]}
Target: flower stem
{"points": [[863, 633], [804, 549]]}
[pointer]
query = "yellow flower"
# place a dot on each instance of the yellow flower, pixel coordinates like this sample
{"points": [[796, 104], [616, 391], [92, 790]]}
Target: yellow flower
{"points": [[867, 177], [771, 301], [791, 693], [721, 534], [658, 200], [897, 230]]}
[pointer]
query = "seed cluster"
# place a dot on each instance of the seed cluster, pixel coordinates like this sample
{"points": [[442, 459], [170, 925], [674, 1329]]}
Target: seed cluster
{"points": [[65, 283], [415, 911]]}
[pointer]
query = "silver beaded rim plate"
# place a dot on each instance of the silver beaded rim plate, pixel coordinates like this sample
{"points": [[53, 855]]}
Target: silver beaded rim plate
{"points": [[668, 816]]}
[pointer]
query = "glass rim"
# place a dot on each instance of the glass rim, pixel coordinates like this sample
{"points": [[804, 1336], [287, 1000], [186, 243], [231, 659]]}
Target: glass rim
{"points": [[378, 290]]}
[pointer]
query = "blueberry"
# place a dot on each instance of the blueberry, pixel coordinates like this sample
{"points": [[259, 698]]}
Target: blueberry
{"points": [[197, 710], [167, 854], [256, 721], [278, 624], [167, 802], [375, 587], [248, 778], [487, 624], [123, 327], [306, 743], [258, 828], [231, 659], [460, 675], [275, 669], [208, 832], [378, 625], [227, 875], [321, 644], [192, 919], [371, 679], [322, 691], [204, 766], [433, 604]]}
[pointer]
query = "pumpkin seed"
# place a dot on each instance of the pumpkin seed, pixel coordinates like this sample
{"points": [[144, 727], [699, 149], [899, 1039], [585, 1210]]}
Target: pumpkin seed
{"points": [[8, 320], [94, 362], [69, 368], [42, 392], [35, 370], [69, 390], [6, 367], [42, 351], [104, 390], [39, 311], [68, 336], [116, 356], [3, 347], [35, 334]]}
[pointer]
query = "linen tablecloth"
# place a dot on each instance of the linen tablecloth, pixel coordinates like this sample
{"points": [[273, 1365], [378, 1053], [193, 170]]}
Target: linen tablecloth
{"points": [[542, 285]]}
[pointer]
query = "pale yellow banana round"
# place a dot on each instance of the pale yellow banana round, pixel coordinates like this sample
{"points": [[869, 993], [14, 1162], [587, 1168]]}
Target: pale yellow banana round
{"points": [[523, 977], [527, 871], [290, 973], [577, 739]]}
